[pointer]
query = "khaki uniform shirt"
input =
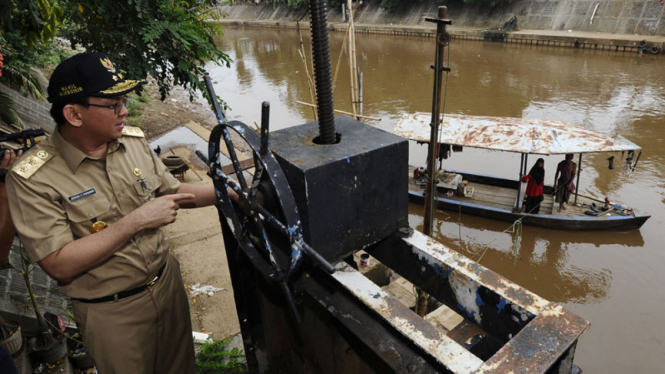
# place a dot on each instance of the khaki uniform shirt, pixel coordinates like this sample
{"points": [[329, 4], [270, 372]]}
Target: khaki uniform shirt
{"points": [[56, 193]]}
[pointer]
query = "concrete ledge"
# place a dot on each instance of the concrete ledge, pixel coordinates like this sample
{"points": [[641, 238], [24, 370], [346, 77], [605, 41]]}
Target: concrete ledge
{"points": [[567, 39]]}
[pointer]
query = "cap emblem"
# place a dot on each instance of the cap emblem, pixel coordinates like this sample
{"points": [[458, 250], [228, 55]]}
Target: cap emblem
{"points": [[107, 64]]}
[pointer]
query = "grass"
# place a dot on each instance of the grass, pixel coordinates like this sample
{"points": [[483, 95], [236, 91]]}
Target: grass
{"points": [[215, 358], [135, 106]]}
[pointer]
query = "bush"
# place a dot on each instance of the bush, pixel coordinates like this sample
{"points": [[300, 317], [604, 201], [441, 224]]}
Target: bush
{"points": [[215, 358]]}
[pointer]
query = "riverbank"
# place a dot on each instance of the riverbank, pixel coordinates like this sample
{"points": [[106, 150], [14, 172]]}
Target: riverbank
{"points": [[644, 17], [555, 38], [607, 26]]}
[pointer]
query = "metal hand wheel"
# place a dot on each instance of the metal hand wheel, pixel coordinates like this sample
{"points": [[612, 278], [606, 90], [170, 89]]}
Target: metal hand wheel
{"points": [[247, 218]]}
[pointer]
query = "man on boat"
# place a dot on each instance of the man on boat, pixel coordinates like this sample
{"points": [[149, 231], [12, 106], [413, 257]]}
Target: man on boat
{"points": [[88, 203], [563, 181]]}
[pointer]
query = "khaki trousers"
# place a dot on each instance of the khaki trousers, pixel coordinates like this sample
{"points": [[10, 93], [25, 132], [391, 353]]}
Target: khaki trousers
{"points": [[147, 333]]}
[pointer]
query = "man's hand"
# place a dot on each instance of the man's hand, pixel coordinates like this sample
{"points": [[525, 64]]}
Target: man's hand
{"points": [[9, 159], [160, 211]]}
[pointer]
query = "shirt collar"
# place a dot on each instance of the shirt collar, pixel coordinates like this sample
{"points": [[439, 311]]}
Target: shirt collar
{"points": [[73, 156]]}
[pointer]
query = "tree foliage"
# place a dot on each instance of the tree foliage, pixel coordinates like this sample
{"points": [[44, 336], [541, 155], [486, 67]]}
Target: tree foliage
{"points": [[35, 20], [166, 39], [26, 27]]}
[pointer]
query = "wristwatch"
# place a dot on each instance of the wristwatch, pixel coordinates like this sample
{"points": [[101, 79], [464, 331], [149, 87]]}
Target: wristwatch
{"points": [[3, 174]]}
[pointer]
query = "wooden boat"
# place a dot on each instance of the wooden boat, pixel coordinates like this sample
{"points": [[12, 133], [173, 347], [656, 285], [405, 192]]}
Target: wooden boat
{"points": [[501, 198]]}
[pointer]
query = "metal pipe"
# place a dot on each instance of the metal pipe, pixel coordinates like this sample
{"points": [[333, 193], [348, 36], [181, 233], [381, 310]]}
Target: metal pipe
{"points": [[579, 171], [432, 153], [322, 74], [361, 90], [637, 159], [265, 129], [221, 120], [519, 185]]}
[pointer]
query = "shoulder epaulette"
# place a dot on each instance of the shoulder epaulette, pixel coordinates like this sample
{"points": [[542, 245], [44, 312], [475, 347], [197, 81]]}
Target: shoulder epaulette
{"points": [[133, 131], [31, 163]]}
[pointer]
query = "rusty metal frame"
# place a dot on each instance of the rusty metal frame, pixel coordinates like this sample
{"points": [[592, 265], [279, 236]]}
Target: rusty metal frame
{"points": [[537, 335], [534, 335]]}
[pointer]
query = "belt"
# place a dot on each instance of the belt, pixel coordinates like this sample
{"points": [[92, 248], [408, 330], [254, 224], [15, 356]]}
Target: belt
{"points": [[124, 294]]}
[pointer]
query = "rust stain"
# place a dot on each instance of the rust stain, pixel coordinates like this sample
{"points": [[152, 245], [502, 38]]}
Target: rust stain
{"points": [[511, 134], [308, 141]]}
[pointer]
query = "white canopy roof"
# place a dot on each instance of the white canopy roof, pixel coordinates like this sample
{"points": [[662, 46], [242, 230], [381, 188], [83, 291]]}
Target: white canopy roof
{"points": [[511, 134]]}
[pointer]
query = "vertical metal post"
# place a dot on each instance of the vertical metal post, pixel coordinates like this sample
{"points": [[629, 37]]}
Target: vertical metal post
{"points": [[353, 72], [519, 182], [361, 90], [637, 159], [526, 163], [579, 171], [441, 41], [265, 126]]}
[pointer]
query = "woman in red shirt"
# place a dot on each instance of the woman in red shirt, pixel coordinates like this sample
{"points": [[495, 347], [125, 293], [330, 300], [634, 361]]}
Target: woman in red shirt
{"points": [[534, 190]]}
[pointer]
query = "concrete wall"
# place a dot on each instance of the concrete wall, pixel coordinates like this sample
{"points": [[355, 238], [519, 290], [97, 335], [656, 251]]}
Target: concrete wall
{"points": [[644, 17], [33, 113]]}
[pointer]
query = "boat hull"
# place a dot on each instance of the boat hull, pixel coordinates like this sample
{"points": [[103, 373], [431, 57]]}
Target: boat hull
{"points": [[550, 221]]}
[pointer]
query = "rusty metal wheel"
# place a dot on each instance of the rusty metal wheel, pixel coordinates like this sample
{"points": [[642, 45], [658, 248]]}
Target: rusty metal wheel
{"points": [[254, 227]]}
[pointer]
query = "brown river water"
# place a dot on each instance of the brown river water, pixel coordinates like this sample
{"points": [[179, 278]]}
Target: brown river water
{"points": [[615, 280]]}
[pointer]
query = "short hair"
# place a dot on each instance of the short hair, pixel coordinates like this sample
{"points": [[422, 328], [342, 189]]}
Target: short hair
{"points": [[58, 106], [56, 113]]}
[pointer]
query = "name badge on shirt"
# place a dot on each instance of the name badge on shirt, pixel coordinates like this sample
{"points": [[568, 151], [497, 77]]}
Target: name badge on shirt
{"points": [[81, 195]]}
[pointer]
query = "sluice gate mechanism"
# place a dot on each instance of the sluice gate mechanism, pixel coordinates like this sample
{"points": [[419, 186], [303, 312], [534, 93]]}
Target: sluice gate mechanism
{"points": [[318, 194]]}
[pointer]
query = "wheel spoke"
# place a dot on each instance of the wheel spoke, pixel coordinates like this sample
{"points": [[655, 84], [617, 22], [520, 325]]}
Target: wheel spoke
{"points": [[256, 179], [268, 248], [234, 157]]}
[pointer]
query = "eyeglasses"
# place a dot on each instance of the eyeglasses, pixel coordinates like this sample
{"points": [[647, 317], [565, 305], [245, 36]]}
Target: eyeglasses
{"points": [[117, 108]]}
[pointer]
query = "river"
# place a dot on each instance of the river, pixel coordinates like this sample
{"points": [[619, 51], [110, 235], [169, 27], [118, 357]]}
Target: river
{"points": [[613, 279]]}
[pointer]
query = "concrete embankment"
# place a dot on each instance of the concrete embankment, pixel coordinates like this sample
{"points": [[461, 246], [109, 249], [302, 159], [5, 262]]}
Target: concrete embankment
{"points": [[608, 25]]}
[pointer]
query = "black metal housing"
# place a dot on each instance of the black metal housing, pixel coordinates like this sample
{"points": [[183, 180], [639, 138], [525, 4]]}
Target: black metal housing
{"points": [[351, 194]]}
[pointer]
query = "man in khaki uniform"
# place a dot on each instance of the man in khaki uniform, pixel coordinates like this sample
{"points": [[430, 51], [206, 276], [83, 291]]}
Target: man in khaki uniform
{"points": [[6, 238], [88, 203], [7, 231]]}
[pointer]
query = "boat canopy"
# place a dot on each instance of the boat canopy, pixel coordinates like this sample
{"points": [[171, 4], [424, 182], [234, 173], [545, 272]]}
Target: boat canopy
{"points": [[508, 134]]}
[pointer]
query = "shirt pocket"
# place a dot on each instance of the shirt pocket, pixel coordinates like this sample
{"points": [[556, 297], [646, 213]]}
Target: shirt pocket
{"points": [[84, 213], [147, 188]]}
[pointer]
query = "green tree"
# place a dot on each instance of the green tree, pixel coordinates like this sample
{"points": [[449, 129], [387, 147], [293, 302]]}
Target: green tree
{"points": [[35, 20], [169, 40], [26, 26]]}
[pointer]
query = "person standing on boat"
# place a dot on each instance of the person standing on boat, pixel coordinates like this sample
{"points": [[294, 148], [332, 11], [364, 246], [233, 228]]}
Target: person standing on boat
{"points": [[534, 189], [563, 181]]}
